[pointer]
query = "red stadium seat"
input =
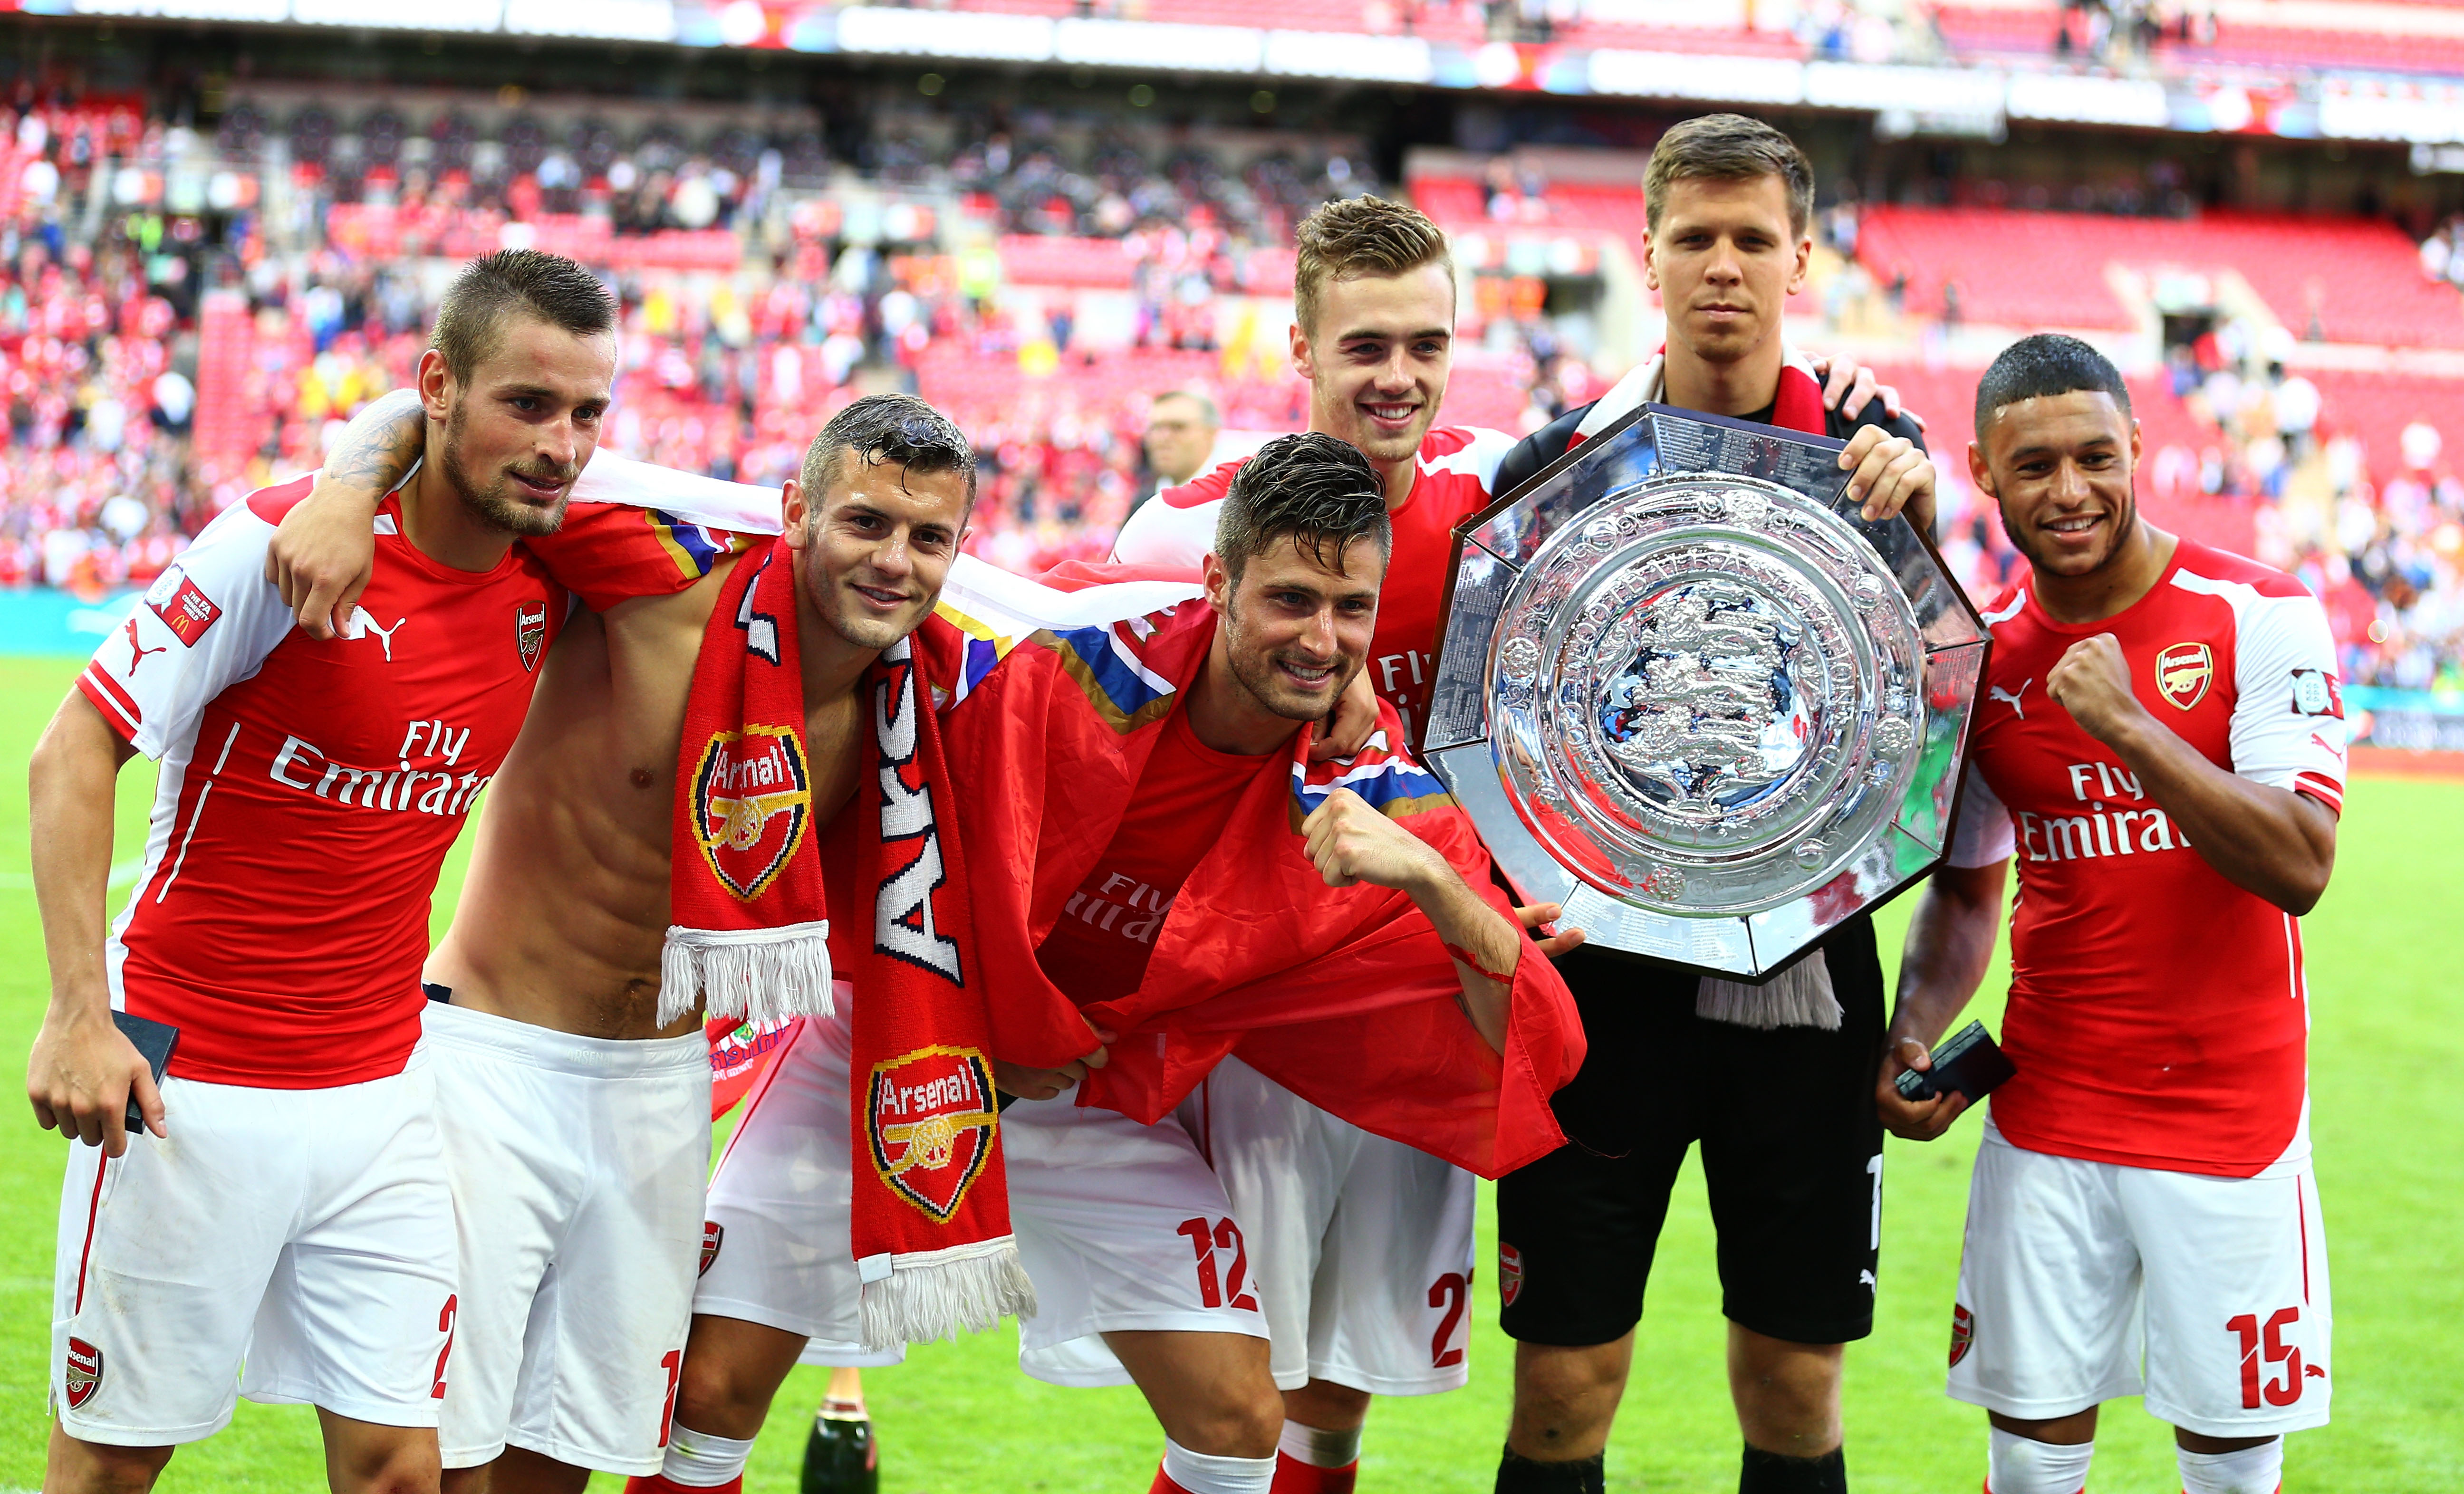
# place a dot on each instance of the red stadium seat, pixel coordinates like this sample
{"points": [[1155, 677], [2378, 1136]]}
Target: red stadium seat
{"points": [[2046, 268]]}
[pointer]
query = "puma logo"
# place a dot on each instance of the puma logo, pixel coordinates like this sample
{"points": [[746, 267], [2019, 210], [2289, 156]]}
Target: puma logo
{"points": [[1865, 1279], [136, 651], [2012, 696], [363, 624]]}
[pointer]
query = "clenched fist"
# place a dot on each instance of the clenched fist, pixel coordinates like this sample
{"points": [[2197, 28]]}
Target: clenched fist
{"points": [[2092, 682], [1349, 843]]}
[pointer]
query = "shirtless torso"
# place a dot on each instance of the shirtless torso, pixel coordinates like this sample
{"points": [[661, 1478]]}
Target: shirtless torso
{"points": [[565, 903]]}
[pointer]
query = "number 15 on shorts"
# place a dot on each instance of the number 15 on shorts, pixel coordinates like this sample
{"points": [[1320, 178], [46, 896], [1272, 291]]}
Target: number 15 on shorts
{"points": [[2272, 1370]]}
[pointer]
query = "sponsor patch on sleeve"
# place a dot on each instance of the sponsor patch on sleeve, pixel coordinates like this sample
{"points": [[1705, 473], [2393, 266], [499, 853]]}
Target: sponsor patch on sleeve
{"points": [[182, 606], [2318, 692]]}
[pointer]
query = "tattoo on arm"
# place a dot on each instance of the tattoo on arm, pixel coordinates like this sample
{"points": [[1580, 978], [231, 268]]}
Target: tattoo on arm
{"points": [[379, 443]]}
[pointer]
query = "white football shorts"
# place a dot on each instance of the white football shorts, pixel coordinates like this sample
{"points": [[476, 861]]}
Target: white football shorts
{"points": [[2081, 1281], [1358, 1249], [1363, 1245], [308, 1233], [775, 1245], [577, 1166], [1122, 1227]]}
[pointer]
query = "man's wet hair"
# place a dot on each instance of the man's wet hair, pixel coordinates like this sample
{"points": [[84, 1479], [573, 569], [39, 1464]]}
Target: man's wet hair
{"points": [[897, 428], [2043, 365], [1312, 489], [470, 324]]}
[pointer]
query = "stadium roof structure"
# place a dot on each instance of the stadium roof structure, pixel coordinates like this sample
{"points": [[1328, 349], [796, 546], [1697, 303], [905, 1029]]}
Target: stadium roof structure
{"points": [[2395, 72]]}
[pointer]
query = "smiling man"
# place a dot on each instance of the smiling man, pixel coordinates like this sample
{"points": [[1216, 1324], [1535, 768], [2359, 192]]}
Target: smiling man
{"points": [[2165, 747], [291, 1208], [1794, 1168]]}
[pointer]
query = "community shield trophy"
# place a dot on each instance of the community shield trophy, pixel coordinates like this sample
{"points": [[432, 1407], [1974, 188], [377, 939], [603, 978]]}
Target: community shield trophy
{"points": [[1685, 690]]}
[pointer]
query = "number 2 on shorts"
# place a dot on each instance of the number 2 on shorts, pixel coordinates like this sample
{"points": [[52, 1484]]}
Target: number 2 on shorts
{"points": [[1452, 1292], [2268, 1342], [445, 1326], [1205, 1238]]}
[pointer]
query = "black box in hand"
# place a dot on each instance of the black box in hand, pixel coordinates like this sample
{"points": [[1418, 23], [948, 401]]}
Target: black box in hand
{"points": [[155, 1040], [1969, 1063]]}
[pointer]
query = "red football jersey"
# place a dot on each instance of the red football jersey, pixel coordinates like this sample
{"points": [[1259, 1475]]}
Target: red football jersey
{"points": [[2158, 1016], [1098, 949], [308, 792], [1456, 466]]}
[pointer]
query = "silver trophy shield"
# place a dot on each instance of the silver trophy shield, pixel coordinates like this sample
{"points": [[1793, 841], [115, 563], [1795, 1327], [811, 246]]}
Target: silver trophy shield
{"points": [[1684, 688]]}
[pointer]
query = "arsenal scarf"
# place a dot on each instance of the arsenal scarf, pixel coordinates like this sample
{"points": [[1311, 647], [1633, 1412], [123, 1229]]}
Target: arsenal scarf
{"points": [[1801, 995], [1344, 995], [930, 1226]]}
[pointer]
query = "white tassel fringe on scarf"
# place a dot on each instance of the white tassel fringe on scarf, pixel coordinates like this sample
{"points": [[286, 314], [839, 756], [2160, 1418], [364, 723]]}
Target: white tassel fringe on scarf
{"points": [[761, 976], [937, 1293]]}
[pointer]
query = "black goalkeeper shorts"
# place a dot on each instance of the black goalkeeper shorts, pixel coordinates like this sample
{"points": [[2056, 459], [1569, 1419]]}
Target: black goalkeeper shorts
{"points": [[1791, 1155]]}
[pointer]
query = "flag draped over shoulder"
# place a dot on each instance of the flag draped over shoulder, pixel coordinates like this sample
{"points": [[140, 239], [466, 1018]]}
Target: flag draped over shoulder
{"points": [[1052, 697], [1345, 995]]}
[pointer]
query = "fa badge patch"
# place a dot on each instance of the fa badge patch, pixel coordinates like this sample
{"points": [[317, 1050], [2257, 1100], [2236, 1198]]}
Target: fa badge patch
{"points": [[530, 630], [930, 1117], [182, 606], [2184, 672], [751, 801], [1963, 1331], [85, 1372]]}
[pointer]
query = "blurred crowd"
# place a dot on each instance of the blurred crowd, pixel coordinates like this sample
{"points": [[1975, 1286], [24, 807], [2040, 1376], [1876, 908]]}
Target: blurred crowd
{"points": [[117, 448], [2377, 535]]}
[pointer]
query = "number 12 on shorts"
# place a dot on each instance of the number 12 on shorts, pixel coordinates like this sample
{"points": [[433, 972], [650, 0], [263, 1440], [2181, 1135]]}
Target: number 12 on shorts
{"points": [[1206, 1238], [2267, 1343]]}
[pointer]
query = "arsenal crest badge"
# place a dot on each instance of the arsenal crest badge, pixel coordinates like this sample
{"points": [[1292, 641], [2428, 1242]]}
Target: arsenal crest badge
{"points": [[1509, 1272], [930, 1117], [1963, 1331], [85, 1372], [2184, 672], [751, 801], [714, 1234], [530, 630]]}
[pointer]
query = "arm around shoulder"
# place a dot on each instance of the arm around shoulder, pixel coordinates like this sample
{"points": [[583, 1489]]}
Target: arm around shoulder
{"points": [[323, 553]]}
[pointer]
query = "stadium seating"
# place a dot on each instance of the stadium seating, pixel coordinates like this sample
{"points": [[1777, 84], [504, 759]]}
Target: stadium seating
{"points": [[2047, 270], [2380, 38]]}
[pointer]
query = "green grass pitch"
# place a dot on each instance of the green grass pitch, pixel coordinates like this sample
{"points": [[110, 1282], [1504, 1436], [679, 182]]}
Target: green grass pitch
{"points": [[2388, 1120]]}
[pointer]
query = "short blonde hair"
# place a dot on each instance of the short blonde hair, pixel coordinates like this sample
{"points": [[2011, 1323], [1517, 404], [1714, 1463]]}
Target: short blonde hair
{"points": [[1357, 236]]}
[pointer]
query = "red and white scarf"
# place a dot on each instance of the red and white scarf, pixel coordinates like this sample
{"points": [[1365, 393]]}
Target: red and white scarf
{"points": [[930, 1226]]}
